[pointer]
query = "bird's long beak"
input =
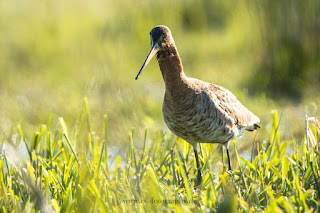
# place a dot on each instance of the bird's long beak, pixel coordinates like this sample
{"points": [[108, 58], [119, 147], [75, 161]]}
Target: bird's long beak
{"points": [[153, 51]]}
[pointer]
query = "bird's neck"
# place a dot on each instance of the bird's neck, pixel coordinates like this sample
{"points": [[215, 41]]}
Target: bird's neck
{"points": [[171, 67]]}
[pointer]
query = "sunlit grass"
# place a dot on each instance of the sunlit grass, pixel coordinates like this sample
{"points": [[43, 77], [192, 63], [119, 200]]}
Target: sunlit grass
{"points": [[57, 174]]}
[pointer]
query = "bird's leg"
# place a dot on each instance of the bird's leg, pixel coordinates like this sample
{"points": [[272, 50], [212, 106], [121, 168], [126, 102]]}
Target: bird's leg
{"points": [[229, 161], [226, 145], [199, 177]]}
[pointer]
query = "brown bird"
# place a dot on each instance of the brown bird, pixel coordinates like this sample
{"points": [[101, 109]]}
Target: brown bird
{"points": [[196, 111]]}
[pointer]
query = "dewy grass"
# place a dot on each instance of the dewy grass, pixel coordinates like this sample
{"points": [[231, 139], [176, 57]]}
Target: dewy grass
{"points": [[57, 176]]}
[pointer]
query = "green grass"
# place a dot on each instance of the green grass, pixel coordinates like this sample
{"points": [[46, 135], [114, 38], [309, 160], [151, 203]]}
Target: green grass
{"points": [[57, 174]]}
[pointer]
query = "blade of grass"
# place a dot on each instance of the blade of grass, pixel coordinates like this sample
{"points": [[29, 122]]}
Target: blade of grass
{"points": [[65, 132], [285, 169], [105, 118], [274, 169], [316, 180], [2, 143], [185, 180], [70, 145], [238, 159], [25, 143], [275, 136], [173, 167], [86, 107], [101, 156]]}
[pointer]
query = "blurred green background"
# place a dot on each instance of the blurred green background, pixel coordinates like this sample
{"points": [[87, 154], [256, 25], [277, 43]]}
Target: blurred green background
{"points": [[55, 53]]}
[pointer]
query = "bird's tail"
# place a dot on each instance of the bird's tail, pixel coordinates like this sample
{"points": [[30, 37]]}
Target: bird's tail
{"points": [[253, 127]]}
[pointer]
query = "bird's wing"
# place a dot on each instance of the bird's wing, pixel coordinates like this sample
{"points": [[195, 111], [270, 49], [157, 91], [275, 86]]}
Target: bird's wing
{"points": [[228, 103]]}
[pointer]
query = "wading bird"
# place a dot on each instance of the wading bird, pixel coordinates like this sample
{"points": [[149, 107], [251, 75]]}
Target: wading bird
{"points": [[196, 111]]}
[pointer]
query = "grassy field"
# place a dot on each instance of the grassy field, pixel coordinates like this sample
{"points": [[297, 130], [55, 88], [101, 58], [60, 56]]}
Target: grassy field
{"points": [[57, 174], [65, 65]]}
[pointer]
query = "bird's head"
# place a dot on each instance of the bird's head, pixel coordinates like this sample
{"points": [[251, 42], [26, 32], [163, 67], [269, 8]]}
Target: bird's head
{"points": [[161, 38]]}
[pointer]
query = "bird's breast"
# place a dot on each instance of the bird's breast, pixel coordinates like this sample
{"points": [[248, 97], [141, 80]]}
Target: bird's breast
{"points": [[193, 117]]}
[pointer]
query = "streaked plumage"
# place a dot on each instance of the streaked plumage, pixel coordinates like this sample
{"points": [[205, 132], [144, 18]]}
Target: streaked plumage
{"points": [[196, 111]]}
